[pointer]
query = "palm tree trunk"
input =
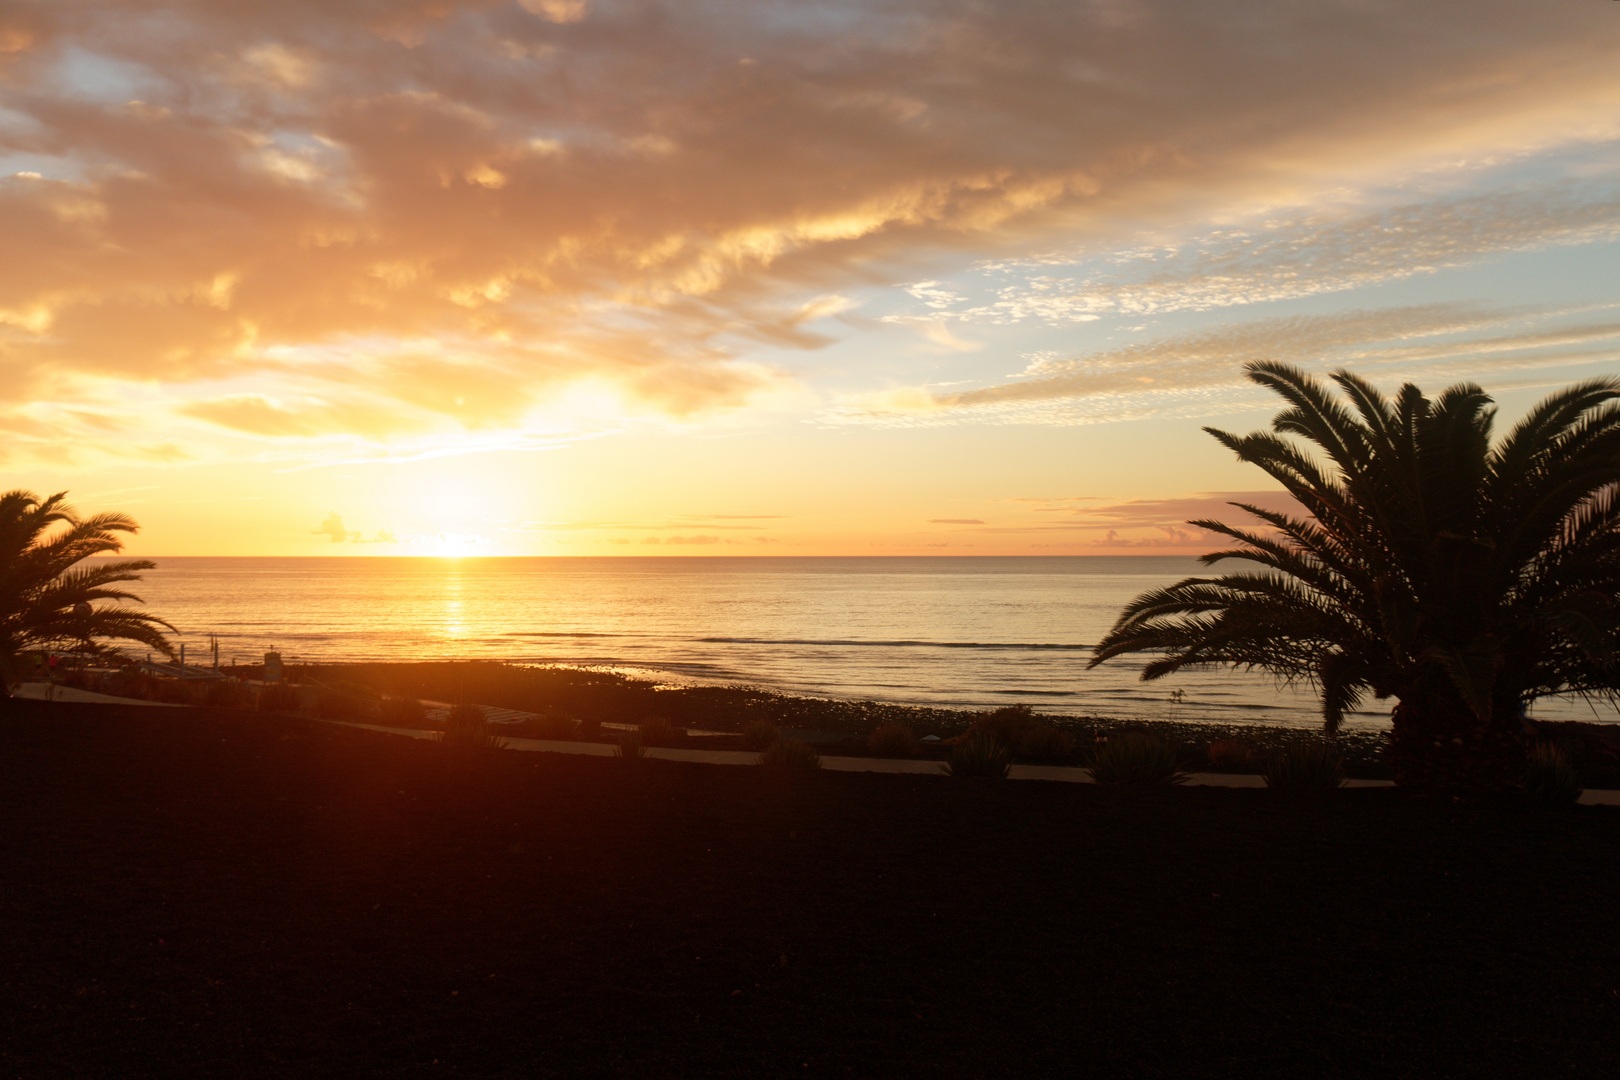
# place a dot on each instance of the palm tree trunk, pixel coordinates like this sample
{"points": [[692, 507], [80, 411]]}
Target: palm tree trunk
{"points": [[1439, 744]]}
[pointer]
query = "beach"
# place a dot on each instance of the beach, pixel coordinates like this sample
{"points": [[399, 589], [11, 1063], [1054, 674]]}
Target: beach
{"points": [[199, 892]]}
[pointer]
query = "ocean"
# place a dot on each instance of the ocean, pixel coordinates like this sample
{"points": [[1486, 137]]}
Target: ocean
{"points": [[957, 632]]}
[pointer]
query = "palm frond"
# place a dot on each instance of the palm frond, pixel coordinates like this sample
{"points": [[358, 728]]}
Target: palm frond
{"points": [[1425, 556], [47, 600]]}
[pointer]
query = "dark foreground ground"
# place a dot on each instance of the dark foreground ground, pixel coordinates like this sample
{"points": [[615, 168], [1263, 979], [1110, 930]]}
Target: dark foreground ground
{"points": [[185, 893]]}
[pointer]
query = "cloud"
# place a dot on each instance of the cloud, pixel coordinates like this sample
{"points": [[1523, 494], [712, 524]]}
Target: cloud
{"points": [[1143, 523], [1201, 370], [954, 521], [1090, 512], [734, 517], [256, 414], [1322, 252], [334, 529], [699, 540], [668, 523], [627, 197]]}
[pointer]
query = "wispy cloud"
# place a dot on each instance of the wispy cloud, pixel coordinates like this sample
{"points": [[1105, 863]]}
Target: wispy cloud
{"points": [[1270, 260], [1201, 370], [1091, 522]]}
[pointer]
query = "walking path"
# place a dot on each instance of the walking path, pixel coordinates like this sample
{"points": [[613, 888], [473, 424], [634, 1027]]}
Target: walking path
{"points": [[1063, 773], [42, 691]]}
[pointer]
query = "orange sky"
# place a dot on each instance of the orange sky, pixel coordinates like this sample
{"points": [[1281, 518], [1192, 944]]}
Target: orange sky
{"points": [[583, 277]]}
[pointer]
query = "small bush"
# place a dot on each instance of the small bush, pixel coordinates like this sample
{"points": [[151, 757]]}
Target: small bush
{"points": [[1007, 726], [130, 684], [1230, 754], [657, 731], [790, 754], [892, 740], [1308, 766], [759, 734], [401, 712], [336, 705], [1135, 757], [1548, 776], [278, 697], [175, 691], [589, 729], [465, 729], [1046, 744], [979, 755], [559, 728], [229, 694], [630, 746]]}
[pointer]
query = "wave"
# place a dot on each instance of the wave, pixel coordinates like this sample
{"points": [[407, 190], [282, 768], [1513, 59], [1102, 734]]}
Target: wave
{"points": [[557, 634], [893, 644], [1034, 693]]}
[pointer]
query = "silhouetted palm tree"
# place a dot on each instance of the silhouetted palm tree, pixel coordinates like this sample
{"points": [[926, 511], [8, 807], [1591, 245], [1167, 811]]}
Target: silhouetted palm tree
{"points": [[47, 603], [1462, 578]]}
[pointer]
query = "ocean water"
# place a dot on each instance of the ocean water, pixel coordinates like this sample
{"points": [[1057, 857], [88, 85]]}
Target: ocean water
{"points": [[960, 632]]}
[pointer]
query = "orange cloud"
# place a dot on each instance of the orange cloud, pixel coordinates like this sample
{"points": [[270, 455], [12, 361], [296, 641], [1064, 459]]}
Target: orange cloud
{"points": [[1147, 523], [553, 192]]}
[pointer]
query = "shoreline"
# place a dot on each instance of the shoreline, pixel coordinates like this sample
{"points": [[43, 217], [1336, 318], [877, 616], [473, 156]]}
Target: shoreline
{"points": [[610, 697], [540, 696]]}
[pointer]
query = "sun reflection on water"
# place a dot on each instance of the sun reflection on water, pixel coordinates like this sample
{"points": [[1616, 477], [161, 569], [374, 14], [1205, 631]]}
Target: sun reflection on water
{"points": [[453, 619]]}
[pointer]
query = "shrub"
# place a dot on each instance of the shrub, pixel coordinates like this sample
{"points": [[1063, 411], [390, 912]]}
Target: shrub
{"points": [[337, 705], [790, 754], [892, 740], [175, 692], [1046, 744], [278, 697], [979, 755], [1007, 726], [402, 712], [561, 728], [229, 694], [129, 683], [589, 729], [1135, 757], [1230, 754], [759, 734], [630, 746], [1548, 776], [1307, 766], [465, 729], [657, 731]]}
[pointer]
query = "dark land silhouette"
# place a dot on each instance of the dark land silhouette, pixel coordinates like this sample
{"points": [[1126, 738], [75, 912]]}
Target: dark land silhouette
{"points": [[209, 892]]}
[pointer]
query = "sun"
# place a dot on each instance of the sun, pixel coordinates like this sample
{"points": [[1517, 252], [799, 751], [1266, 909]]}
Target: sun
{"points": [[447, 545]]}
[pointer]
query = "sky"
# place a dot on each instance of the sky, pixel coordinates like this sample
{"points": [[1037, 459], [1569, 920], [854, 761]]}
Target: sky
{"points": [[592, 277]]}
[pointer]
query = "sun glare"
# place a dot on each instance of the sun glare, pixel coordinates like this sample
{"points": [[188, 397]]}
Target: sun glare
{"points": [[460, 545]]}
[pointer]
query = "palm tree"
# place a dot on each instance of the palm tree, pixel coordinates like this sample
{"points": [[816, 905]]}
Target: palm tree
{"points": [[45, 603], [1461, 577]]}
